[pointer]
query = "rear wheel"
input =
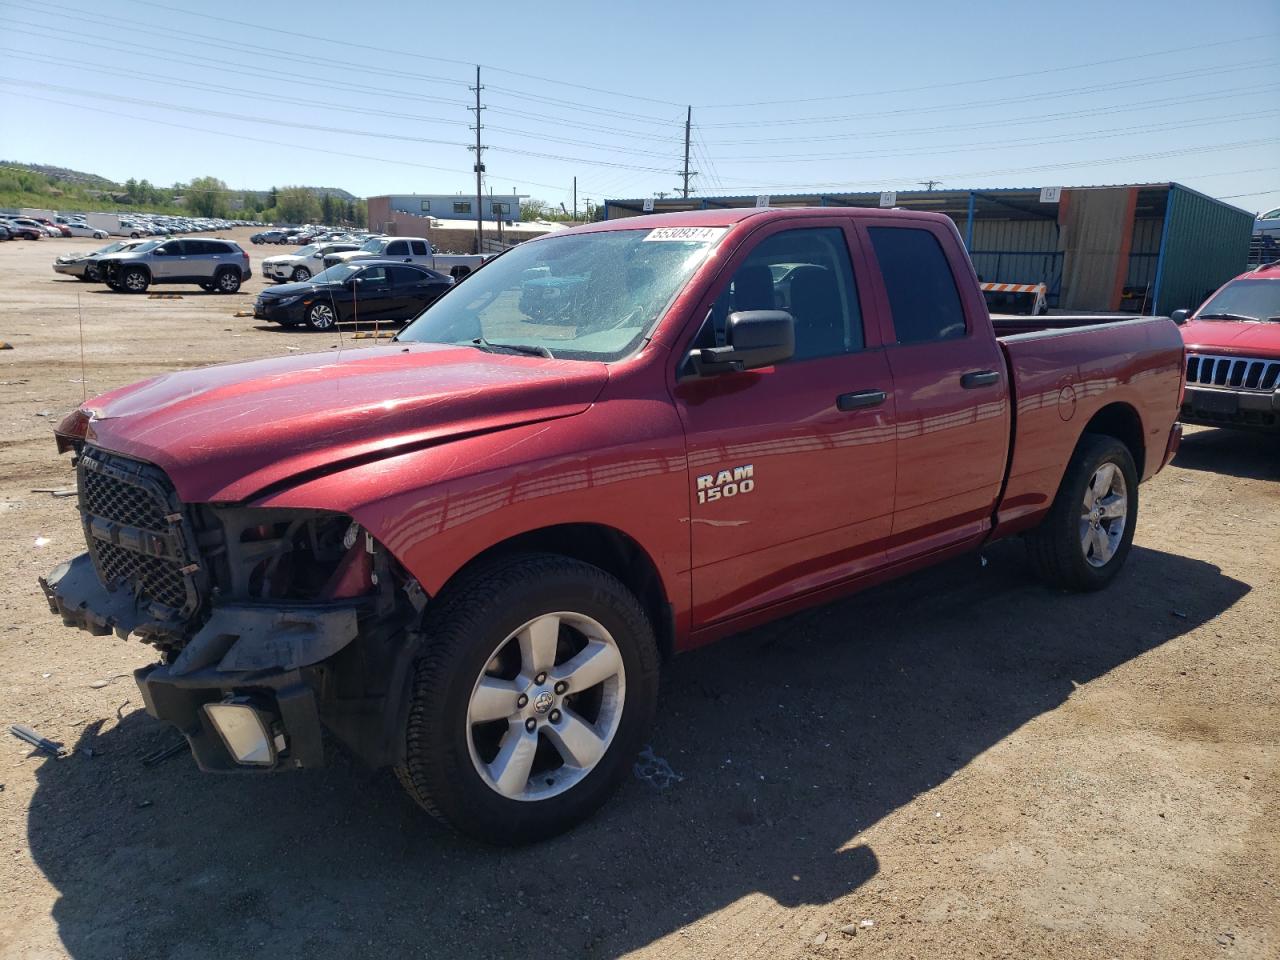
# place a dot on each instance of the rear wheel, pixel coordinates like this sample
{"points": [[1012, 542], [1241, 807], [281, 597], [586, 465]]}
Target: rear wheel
{"points": [[301, 274], [530, 700], [321, 316], [135, 280], [1084, 540], [227, 281]]}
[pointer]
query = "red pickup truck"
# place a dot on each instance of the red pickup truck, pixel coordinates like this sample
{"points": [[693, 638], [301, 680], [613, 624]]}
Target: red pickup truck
{"points": [[1233, 354], [465, 554]]}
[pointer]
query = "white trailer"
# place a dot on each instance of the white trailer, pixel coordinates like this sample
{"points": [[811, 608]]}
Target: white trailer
{"points": [[115, 226], [34, 213]]}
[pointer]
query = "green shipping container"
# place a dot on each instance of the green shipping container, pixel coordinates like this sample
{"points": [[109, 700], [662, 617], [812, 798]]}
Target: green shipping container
{"points": [[1203, 244]]}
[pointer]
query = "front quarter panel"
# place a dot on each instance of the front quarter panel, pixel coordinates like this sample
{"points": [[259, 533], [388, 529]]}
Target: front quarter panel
{"points": [[619, 464]]}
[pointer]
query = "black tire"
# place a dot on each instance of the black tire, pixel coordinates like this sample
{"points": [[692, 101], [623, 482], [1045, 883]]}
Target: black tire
{"points": [[1055, 548], [465, 627], [135, 280], [301, 274], [322, 316], [227, 281]]}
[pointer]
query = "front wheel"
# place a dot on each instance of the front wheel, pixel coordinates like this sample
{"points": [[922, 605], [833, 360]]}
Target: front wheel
{"points": [[228, 281], [135, 280], [1083, 541], [530, 700], [301, 274], [321, 316]]}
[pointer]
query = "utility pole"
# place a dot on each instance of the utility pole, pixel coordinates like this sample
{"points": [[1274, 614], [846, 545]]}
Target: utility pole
{"points": [[479, 149], [688, 123], [929, 184], [575, 199]]}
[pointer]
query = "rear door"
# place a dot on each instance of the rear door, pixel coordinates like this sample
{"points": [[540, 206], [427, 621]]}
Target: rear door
{"points": [[420, 252], [791, 466], [397, 250], [953, 417]]}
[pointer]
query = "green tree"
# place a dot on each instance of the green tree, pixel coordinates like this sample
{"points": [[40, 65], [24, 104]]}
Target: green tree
{"points": [[329, 209], [273, 198], [207, 197], [131, 191], [533, 209], [297, 205]]}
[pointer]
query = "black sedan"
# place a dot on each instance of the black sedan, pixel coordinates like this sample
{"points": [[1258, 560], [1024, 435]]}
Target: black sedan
{"points": [[380, 291]]}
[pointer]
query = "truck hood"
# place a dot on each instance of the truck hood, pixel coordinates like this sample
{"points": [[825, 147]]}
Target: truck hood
{"points": [[1233, 338], [224, 433]]}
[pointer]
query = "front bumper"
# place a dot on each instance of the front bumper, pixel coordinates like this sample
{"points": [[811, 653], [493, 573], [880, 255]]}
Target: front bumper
{"points": [[73, 269], [272, 310], [277, 271], [266, 653], [1225, 407]]}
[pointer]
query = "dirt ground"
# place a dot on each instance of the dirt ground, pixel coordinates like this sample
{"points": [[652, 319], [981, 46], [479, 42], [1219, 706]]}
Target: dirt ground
{"points": [[961, 764]]}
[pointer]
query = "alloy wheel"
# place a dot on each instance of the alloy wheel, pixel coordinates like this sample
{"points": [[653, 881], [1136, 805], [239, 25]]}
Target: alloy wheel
{"points": [[1103, 514], [546, 707]]}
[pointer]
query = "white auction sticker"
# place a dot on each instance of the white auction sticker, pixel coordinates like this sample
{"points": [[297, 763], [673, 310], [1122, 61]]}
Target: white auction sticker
{"points": [[687, 234]]}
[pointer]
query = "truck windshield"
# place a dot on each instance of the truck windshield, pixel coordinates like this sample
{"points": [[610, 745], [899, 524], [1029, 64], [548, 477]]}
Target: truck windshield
{"points": [[1244, 300], [588, 296], [373, 245]]}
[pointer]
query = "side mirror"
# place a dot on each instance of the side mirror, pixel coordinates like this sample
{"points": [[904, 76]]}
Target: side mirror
{"points": [[757, 338], [162, 252], [1180, 316]]}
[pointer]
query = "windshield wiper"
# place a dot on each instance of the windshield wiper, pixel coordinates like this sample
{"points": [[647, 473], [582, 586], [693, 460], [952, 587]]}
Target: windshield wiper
{"points": [[1227, 316], [525, 348]]}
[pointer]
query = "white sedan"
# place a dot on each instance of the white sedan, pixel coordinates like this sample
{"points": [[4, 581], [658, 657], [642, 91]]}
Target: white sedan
{"points": [[84, 230]]}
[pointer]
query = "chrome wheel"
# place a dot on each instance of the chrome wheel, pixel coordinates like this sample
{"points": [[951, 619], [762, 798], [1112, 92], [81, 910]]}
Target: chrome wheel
{"points": [[321, 316], [1103, 515], [546, 707], [135, 281], [228, 282], [301, 274]]}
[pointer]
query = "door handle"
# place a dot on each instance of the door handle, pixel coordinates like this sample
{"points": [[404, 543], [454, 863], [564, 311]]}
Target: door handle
{"points": [[979, 378], [860, 398]]}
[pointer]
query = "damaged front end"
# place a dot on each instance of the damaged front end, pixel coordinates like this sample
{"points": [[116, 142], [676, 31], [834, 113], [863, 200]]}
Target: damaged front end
{"points": [[269, 622]]}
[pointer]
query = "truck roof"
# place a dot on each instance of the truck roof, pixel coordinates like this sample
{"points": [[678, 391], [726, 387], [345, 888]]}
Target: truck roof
{"points": [[729, 216]]}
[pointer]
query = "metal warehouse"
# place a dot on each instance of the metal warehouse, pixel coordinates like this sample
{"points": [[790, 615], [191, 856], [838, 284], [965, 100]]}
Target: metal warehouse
{"points": [[1147, 248]]}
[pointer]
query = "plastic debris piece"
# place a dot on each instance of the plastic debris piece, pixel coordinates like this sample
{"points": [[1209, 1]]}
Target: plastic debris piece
{"points": [[25, 733], [655, 770], [99, 684], [164, 753], [41, 541], [867, 924]]}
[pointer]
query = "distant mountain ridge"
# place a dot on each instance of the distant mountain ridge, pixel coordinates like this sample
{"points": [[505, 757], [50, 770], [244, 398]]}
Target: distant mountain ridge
{"points": [[104, 183]]}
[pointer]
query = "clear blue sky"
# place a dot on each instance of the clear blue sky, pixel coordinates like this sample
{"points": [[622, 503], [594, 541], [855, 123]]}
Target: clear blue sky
{"points": [[876, 95]]}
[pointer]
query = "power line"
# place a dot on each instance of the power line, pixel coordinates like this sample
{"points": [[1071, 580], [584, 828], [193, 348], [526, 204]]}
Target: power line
{"points": [[1006, 76], [1002, 101]]}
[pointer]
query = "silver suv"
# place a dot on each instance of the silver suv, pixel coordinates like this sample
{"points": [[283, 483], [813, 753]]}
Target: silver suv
{"points": [[215, 265]]}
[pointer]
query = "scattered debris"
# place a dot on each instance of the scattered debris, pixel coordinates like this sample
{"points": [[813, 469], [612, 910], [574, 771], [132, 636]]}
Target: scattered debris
{"points": [[654, 770], [88, 752], [99, 684], [143, 803], [43, 489], [242, 313], [5, 345], [1179, 614], [164, 296], [41, 541], [65, 493], [867, 924], [164, 753], [849, 929], [820, 939], [23, 732]]}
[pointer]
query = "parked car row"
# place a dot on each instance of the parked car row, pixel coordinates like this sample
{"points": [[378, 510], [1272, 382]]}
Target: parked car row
{"points": [[308, 233]]}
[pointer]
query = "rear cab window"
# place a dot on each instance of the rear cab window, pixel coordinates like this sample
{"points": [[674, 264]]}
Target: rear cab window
{"points": [[923, 297]]}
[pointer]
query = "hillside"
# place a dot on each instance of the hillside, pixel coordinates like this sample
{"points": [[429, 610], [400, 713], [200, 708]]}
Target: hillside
{"points": [[48, 185]]}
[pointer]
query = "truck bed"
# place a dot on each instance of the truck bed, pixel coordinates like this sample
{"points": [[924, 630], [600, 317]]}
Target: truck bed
{"points": [[1063, 372]]}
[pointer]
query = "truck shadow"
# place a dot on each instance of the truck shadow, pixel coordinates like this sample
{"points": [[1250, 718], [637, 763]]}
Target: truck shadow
{"points": [[788, 743], [1236, 453]]}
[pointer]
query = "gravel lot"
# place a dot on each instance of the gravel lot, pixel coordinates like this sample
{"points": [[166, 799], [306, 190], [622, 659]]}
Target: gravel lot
{"points": [[961, 764]]}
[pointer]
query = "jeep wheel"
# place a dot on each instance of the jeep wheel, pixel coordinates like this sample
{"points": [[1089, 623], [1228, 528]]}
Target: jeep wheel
{"points": [[301, 274], [227, 281], [530, 700], [135, 280], [1084, 540], [321, 317]]}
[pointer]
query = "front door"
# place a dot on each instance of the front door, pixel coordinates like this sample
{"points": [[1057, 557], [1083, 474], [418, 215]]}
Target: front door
{"points": [[371, 295], [168, 260], [791, 466]]}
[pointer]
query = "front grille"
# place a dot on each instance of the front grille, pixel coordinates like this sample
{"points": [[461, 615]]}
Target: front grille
{"points": [[137, 532], [109, 499], [1241, 373], [152, 577]]}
